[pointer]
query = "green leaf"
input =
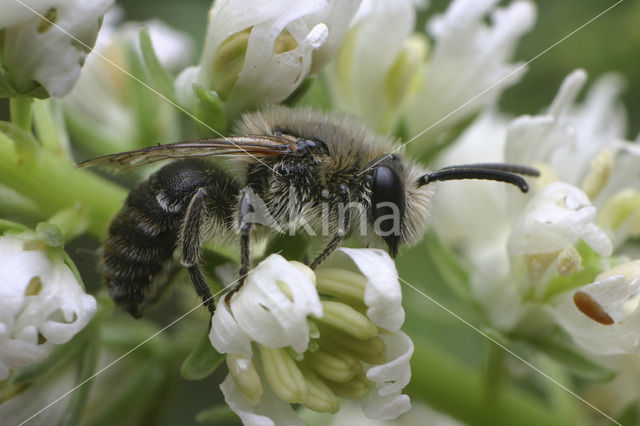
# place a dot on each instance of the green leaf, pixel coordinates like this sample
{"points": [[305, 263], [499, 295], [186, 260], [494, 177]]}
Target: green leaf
{"points": [[145, 102], [216, 414], [202, 361], [85, 369], [161, 78], [210, 109], [559, 349]]}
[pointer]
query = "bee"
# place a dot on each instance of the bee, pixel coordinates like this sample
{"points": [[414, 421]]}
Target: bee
{"points": [[304, 166]]}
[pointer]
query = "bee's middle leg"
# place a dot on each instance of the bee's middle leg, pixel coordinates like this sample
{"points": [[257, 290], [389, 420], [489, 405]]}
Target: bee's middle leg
{"points": [[190, 236], [245, 258]]}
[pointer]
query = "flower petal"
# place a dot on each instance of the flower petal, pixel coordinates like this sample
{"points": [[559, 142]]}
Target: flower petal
{"points": [[270, 411], [559, 216], [468, 67], [50, 56], [226, 335], [382, 293], [38, 298], [623, 336], [395, 374], [272, 316]]}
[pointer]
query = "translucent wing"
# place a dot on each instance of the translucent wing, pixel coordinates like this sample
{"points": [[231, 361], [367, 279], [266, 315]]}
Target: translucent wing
{"points": [[249, 147]]}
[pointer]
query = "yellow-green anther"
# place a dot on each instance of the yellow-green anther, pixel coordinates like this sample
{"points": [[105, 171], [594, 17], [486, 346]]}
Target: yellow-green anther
{"points": [[247, 379], [336, 365], [283, 374], [371, 351], [227, 63], [347, 319], [341, 283], [622, 208], [598, 175], [569, 261], [405, 74], [319, 396], [356, 388]]}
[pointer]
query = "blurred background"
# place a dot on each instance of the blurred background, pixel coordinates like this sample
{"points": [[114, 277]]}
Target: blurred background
{"points": [[610, 43]]}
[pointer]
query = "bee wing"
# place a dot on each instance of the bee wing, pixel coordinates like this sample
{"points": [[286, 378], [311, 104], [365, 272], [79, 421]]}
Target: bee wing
{"points": [[237, 146]]}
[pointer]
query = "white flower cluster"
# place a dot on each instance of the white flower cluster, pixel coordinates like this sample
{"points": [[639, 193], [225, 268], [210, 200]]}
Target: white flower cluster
{"points": [[42, 304], [527, 253], [45, 50], [292, 336]]}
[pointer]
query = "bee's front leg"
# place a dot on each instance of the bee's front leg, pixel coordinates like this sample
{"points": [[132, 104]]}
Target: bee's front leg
{"points": [[341, 231]]}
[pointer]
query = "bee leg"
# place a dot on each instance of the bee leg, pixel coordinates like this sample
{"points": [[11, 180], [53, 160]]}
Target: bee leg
{"points": [[340, 233], [190, 236], [245, 259]]}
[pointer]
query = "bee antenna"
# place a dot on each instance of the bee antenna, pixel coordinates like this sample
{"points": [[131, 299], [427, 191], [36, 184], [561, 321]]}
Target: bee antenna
{"points": [[508, 173]]}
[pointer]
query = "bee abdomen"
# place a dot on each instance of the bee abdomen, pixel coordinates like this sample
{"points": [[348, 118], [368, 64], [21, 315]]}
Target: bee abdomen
{"points": [[142, 238]]}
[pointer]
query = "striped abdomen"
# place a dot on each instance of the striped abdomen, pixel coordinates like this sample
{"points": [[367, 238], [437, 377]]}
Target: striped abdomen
{"points": [[138, 254]]}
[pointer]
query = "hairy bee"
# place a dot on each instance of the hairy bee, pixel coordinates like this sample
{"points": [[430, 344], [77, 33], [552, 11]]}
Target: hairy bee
{"points": [[305, 168]]}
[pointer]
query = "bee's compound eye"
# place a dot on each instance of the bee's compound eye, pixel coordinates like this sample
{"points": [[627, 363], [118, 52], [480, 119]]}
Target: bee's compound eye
{"points": [[388, 203]]}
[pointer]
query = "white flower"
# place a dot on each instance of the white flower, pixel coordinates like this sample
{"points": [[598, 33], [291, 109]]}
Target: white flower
{"points": [[292, 336], [603, 317], [257, 53], [42, 304], [567, 137], [34, 51], [559, 216], [378, 62], [469, 61], [103, 101]]}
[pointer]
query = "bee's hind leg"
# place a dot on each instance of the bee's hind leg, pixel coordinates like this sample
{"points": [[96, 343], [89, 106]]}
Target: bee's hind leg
{"points": [[190, 236]]}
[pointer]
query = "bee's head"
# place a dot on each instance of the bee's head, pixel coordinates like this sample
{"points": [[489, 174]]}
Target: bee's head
{"points": [[399, 208], [401, 194]]}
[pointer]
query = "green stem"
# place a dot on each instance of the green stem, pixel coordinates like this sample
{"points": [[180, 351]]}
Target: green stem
{"points": [[460, 391], [54, 184], [47, 126], [20, 108]]}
